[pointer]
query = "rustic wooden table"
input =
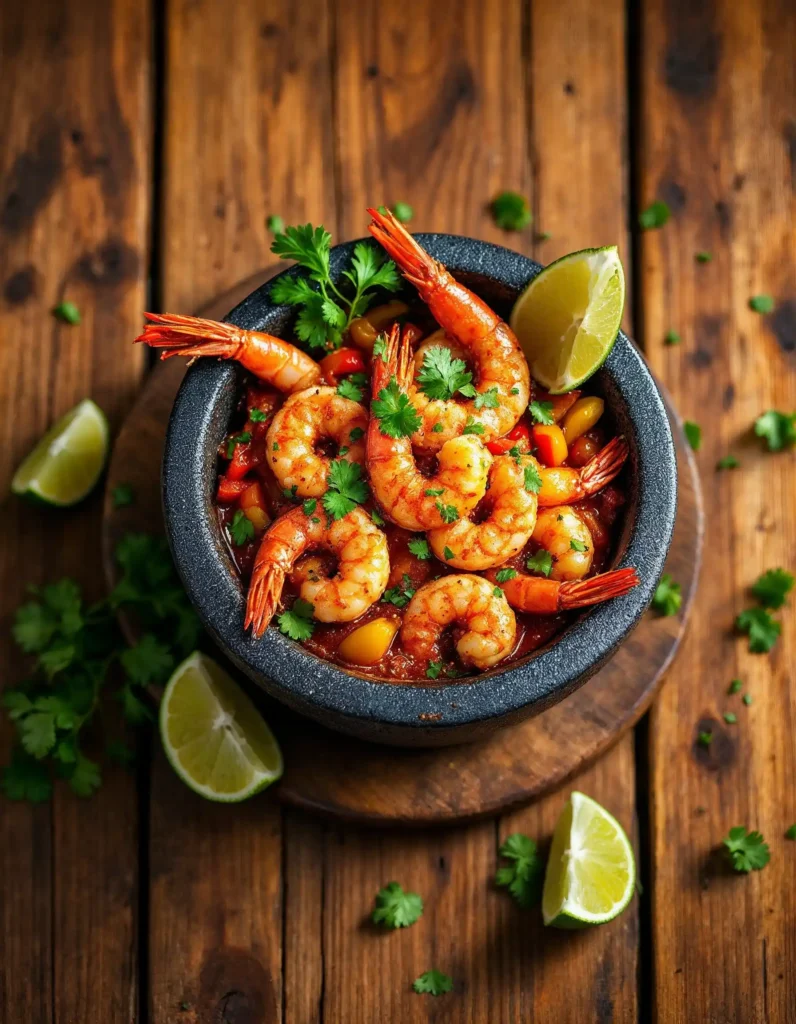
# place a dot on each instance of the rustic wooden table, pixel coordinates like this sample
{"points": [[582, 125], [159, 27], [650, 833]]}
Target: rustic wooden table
{"points": [[143, 150]]}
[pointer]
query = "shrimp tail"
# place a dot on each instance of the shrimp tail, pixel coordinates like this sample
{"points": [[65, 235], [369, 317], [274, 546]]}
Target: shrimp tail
{"points": [[396, 361], [190, 336], [422, 270], [605, 466], [580, 593], [265, 590]]}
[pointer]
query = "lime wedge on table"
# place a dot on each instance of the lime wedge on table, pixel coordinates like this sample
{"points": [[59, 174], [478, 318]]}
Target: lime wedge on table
{"points": [[68, 460], [591, 872], [215, 738], [568, 317]]}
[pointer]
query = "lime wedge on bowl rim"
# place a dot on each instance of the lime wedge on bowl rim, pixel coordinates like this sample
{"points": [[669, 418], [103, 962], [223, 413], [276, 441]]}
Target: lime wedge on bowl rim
{"points": [[214, 737], [67, 462], [591, 872], [568, 317]]}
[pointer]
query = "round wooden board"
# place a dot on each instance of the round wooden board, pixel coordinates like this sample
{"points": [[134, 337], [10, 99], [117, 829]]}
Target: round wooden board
{"points": [[339, 776]]}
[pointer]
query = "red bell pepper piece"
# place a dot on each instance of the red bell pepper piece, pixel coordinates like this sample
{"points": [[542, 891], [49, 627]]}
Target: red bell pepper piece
{"points": [[519, 436], [343, 361], [230, 490]]}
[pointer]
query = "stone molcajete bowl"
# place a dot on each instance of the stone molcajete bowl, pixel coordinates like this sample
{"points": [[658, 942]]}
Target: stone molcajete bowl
{"points": [[415, 715]]}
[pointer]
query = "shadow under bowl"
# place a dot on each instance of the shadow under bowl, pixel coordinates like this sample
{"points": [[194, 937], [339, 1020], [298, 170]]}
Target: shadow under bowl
{"points": [[416, 714]]}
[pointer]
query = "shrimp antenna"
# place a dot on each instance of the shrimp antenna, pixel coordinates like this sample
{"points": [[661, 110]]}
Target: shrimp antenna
{"points": [[416, 265]]}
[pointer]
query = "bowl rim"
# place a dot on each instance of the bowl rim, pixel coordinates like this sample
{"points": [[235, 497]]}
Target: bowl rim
{"points": [[321, 688]]}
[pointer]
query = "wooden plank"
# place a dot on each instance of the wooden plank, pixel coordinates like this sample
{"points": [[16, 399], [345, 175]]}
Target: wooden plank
{"points": [[717, 129], [74, 204], [247, 134]]}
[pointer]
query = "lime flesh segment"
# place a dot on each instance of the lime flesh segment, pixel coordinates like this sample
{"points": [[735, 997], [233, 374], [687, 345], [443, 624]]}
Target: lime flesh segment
{"points": [[67, 462], [568, 317], [214, 737], [591, 872]]}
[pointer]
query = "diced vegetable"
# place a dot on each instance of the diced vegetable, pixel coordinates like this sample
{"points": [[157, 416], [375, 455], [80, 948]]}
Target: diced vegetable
{"points": [[583, 415], [582, 450], [252, 501], [230, 490], [560, 404], [519, 437], [550, 443], [368, 644], [364, 330], [338, 364], [257, 516]]}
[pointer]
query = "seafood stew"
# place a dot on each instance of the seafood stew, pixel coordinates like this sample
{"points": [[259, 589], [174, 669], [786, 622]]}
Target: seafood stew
{"points": [[409, 505]]}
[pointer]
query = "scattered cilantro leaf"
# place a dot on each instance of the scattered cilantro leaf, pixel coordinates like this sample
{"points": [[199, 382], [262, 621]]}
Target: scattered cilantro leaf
{"points": [[735, 686], [403, 212], [290, 492], [375, 518], [433, 670], [777, 428], [297, 622], [356, 434], [761, 629], [693, 434], [148, 661], [434, 492], [437, 428], [543, 236], [511, 211], [441, 376], [380, 347], [448, 513], [471, 427], [25, 778], [747, 850], [761, 304], [577, 545], [704, 257], [353, 387], [400, 595], [747, 699], [347, 489], [730, 717], [419, 548], [122, 495], [524, 876], [275, 224], [728, 462], [489, 399], [447, 554], [395, 908], [532, 481], [773, 587], [671, 338], [396, 415], [668, 596], [704, 739], [433, 982], [655, 215], [790, 833], [67, 312], [542, 412], [241, 529], [541, 562], [504, 575], [309, 505], [242, 438], [497, 592]]}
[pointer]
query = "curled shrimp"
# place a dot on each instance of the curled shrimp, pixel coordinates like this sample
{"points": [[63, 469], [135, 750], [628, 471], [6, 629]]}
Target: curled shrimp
{"points": [[498, 363], [486, 624], [406, 496], [297, 431], [363, 566], [562, 533], [271, 359], [510, 507], [562, 485], [541, 596]]}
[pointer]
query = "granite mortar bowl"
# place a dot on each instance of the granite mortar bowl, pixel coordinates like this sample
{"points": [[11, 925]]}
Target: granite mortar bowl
{"points": [[385, 712]]}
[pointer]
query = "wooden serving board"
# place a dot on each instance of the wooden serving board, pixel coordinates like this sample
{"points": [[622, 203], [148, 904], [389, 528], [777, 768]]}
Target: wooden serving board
{"points": [[357, 781]]}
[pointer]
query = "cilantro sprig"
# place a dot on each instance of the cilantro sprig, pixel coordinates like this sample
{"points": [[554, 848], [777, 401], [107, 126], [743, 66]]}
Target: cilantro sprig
{"points": [[395, 908], [325, 311], [441, 376], [347, 489], [396, 415], [401, 594], [433, 983], [747, 850], [771, 590], [778, 429], [524, 875], [297, 622]]}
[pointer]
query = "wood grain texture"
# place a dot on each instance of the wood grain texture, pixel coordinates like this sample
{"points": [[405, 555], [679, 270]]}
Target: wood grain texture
{"points": [[74, 207], [717, 136]]}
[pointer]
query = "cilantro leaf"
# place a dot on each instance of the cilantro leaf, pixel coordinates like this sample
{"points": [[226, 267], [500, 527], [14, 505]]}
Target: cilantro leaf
{"points": [[353, 387], [790, 833], [292, 291], [419, 548], [396, 415], [773, 587], [655, 215], [532, 481], [67, 312], [311, 325], [693, 434], [761, 304], [122, 495], [394, 908], [356, 434], [577, 545], [401, 595], [488, 399], [671, 338], [504, 575], [433, 983], [728, 462], [37, 733], [441, 376], [668, 596], [778, 429], [241, 529], [761, 629], [746, 850], [730, 717], [232, 442], [375, 518], [149, 661], [704, 257], [471, 427], [297, 622], [275, 224], [308, 246], [523, 877], [403, 212], [85, 778], [542, 412], [347, 489], [541, 562], [511, 211], [372, 269], [433, 669], [447, 554], [26, 778], [309, 505], [735, 686], [449, 513]]}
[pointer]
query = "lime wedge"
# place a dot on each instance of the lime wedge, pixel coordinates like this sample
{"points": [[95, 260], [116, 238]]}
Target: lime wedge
{"points": [[68, 460], [591, 872], [215, 738], [568, 317]]}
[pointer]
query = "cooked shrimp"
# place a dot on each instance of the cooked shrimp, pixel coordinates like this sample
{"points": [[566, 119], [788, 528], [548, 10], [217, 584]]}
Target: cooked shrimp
{"points": [[487, 624], [307, 419], [563, 484], [269, 358], [510, 508], [540, 596], [363, 566], [406, 496], [561, 532], [497, 361]]}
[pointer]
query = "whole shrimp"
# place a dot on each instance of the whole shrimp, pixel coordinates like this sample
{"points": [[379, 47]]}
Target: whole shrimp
{"points": [[271, 359], [510, 507], [363, 566], [541, 596], [562, 533], [562, 485], [486, 624], [406, 496], [499, 365]]}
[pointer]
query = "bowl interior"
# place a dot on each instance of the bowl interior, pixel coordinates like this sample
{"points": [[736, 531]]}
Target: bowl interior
{"points": [[199, 421]]}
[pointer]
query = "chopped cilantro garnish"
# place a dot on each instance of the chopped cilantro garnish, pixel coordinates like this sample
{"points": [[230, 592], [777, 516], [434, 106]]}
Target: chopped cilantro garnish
{"points": [[728, 462], [437, 428], [778, 429], [449, 513], [471, 427], [447, 554], [773, 587], [257, 416], [704, 257], [542, 412], [309, 506], [353, 387], [704, 739], [375, 518], [746, 850], [356, 434], [275, 224], [730, 717], [524, 877], [441, 376], [747, 699], [655, 215], [735, 686], [243, 438], [761, 629], [122, 495], [241, 529], [511, 211], [401, 595], [394, 908], [396, 415], [68, 312], [541, 562], [503, 575], [577, 545], [297, 622], [347, 489], [672, 338], [433, 982], [531, 479], [761, 304], [790, 833], [419, 548], [434, 669], [403, 212], [668, 596], [488, 399], [434, 492], [693, 434]]}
